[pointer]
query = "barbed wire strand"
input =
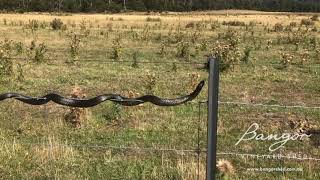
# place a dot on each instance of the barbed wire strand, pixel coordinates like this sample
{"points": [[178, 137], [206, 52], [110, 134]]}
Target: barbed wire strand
{"points": [[265, 156], [268, 105], [91, 60], [87, 60], [96, 146], [256, 104]]}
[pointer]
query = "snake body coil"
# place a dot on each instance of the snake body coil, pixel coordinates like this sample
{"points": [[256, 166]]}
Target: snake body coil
{"points": [[86, 103]]}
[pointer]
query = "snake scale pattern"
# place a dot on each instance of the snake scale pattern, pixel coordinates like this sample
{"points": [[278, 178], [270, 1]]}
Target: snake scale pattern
{"points": [[86, 103]]}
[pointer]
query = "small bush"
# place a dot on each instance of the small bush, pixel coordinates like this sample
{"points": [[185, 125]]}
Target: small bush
{"points": [[314, 29], [74, 44], [33, 25], [315, 17], [233, 23], [228, 54], [293, 24], [151, 19], [116, 50], [6, 64], [135, 59], [163, 48], [151, 83], [246, 56], [307, 22], [198, 25], [18, 47], [43, 25], [37, 52], [113, 115], [56, 24], [278, 27], [76, 116], [191, 25], [183, 50], [286, 59]]}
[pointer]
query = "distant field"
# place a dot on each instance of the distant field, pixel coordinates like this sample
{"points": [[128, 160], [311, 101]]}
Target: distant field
{"points": [[277, 61]]}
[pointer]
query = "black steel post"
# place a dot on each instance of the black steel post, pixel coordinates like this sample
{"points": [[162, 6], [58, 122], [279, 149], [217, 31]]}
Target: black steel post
{"points": [[212, 117]]}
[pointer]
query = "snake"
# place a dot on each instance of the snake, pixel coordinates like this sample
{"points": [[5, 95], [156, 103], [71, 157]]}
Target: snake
{"points": [[116, 98]]}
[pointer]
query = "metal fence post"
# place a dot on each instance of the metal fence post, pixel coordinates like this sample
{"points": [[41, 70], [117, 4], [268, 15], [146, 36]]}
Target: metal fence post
{"points": [[212, 117]]}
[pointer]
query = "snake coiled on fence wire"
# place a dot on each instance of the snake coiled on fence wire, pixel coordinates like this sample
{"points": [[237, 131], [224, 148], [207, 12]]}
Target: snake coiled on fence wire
{"points": [[86, 103]]}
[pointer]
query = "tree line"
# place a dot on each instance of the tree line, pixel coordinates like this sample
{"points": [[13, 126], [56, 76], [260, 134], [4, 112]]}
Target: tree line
{"points": [[158, 5]]}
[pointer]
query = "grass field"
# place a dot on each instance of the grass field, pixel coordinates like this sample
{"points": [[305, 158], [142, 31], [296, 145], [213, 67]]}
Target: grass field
{"points": [[276, 59]]}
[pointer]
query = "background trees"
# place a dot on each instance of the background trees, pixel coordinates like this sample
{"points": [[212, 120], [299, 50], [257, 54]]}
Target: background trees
{"points": [[158, 5]]}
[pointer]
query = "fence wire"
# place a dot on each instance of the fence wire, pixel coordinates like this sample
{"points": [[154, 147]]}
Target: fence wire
{"points": [[195, 152], [267, 105]]}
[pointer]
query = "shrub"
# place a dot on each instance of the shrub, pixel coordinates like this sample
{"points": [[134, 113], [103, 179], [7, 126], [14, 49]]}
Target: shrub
{"points": [[307, 22], [18, 47], [278, 27], [314, 29], [286, 59], [135, 59], [228, 54], [315, 17], [84, 29], [183, 50], [233, 23], [269, 43], [215, 25], [191, 25], [40, 51], [43, 25], [6, 64], [113, 114], [246, 56], [163, 48], [33, 25], [76, 116], [37, 52], [293, 24], [305, 56], [151, 19], [151, 83], [56, 24], [116, 50], [74, 43]]}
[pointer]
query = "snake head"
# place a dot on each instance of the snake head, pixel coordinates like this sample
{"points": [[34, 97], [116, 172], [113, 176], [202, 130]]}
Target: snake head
{"points": [[197, 91]]}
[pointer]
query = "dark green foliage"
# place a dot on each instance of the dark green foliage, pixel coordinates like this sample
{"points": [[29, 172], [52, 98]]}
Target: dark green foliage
{"points": [[157, 5]]}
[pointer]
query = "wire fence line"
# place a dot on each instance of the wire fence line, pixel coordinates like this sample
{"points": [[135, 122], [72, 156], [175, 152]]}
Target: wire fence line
{"points": [[109, 61], [257, 104], [268, 105], [96, 146], [88, 60], [179, 151]]}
